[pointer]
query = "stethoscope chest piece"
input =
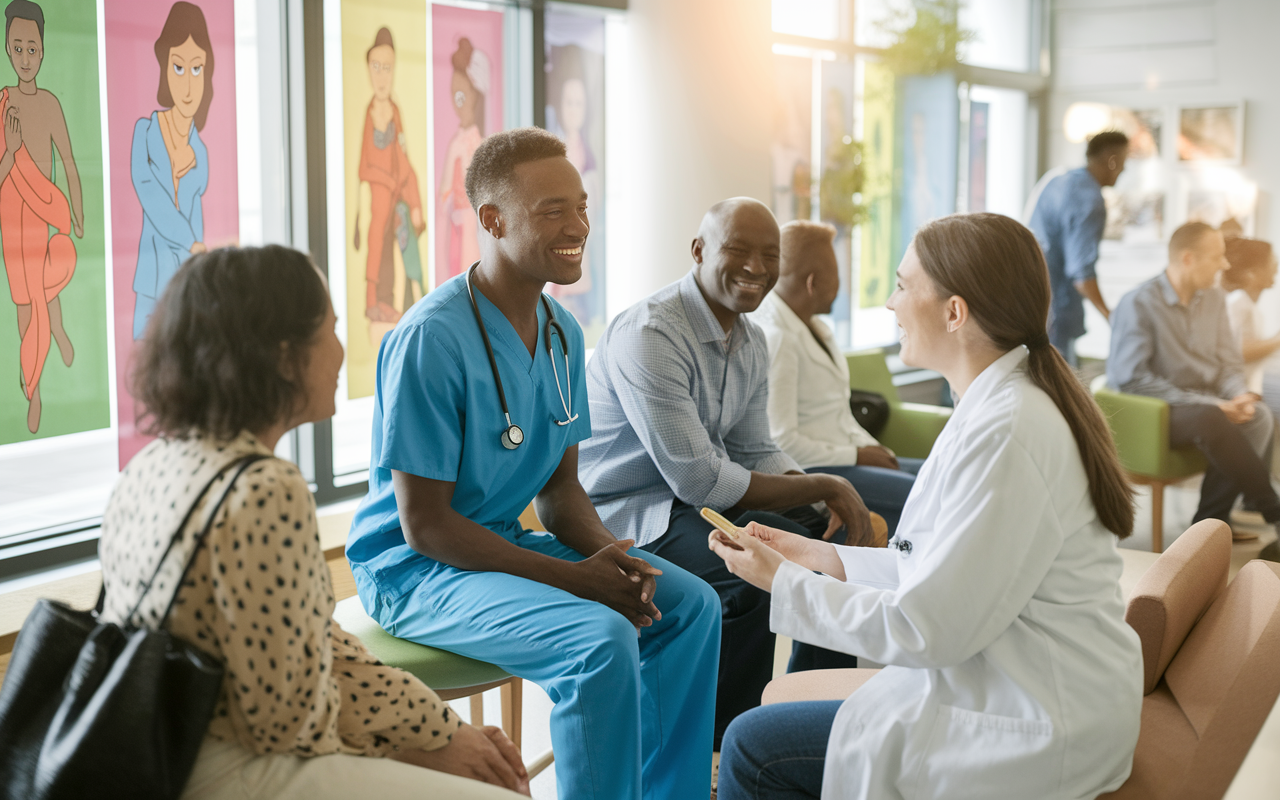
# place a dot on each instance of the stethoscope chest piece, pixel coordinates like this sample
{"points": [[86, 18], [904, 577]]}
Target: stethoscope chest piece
{"points": [[512, 437]]}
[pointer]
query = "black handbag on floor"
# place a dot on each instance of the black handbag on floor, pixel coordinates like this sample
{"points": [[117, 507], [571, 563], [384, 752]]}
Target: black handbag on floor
{"points": [[97, 710]]}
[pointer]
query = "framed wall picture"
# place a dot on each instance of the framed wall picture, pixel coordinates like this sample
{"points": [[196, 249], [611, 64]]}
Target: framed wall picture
{"points": [[1211, 132]]}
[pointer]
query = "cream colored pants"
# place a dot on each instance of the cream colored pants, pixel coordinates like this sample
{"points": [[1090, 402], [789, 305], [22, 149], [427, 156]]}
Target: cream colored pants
{"points": [[227, 771]]}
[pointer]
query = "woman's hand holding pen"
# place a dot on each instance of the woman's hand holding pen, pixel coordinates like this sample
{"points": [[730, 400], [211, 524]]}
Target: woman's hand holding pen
{"points": [[747, 557]]}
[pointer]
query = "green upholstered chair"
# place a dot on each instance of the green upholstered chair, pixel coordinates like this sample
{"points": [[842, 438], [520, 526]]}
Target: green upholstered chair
{"points": [[450, 675], [912, 427], [1140, 426]]}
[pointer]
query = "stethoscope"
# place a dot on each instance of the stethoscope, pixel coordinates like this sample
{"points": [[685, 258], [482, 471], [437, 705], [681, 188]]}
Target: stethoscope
{"points": [[512, 436]]}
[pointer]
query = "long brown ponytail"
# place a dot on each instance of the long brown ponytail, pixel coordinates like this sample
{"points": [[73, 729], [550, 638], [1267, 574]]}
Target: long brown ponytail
{"points": [[996, 265]]}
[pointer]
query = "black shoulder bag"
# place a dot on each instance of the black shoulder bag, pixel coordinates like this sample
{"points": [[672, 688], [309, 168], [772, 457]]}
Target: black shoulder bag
{"points": [[94, 709], [870, 409]]}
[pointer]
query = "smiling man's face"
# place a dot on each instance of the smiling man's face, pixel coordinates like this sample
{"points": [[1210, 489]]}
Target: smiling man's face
{"points": [[738, 259]]}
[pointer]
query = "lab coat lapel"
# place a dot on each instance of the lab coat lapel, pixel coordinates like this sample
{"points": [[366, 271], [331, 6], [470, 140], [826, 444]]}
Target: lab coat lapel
{"points": [[813, 351]]}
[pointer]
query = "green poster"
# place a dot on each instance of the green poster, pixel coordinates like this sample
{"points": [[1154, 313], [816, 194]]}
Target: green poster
{"points": [[877, 268], [53, 325]]}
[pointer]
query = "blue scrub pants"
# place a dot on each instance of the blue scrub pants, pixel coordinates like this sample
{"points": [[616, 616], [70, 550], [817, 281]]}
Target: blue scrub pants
{"points": [[883, 490], [633, 715]]}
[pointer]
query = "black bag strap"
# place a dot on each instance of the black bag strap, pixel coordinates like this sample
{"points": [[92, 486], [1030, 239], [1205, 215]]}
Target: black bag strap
{"points": [[204, 534], [244, 463]]}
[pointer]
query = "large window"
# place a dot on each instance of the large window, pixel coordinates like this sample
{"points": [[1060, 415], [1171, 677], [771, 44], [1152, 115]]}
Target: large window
{"points": [[308, 103], [69, 425], [918, 143]]}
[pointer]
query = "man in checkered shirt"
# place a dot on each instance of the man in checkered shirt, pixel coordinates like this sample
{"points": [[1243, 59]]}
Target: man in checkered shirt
{"points": [[678, 388]]}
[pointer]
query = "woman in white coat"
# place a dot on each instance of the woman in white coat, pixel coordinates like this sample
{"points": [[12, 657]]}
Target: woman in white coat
{"points": [[1012, 673]]}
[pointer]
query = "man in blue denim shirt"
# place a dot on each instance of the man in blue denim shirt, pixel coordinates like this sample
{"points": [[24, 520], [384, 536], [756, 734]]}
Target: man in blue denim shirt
{"points": [[1069, 219]]}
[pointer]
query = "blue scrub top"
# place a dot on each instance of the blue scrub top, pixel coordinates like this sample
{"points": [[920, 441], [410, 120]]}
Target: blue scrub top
{"points": [[437, 415]]}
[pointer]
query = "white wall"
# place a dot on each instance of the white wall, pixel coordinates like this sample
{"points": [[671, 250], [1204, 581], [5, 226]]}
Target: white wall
{"points": [[1159, 53], [694, 121]]}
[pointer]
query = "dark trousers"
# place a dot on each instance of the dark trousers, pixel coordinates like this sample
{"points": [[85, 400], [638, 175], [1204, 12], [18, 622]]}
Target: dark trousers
{"points": [[1235, 454], [746, 643]]}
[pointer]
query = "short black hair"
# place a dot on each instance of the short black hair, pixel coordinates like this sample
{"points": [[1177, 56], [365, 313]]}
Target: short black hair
{"points": [[210, 362], [1102, 143], [495, 160], [23, 9]]}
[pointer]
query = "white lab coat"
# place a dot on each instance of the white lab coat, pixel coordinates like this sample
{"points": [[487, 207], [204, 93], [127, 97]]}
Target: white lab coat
{"points": [[1013, 673], [809, 416]]}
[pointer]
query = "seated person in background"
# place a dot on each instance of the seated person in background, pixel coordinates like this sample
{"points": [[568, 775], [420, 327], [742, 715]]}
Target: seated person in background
{"points": [[306, 711], [1011, 671], [437, 548], [678, 387], [1170, 339], [1252, 270], [809, 414]]}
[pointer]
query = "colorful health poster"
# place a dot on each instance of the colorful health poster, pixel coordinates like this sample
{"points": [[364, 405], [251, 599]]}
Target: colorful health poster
{"points": [[53, 329], [466, 52], [384, 117], [171, 98], [575, 113]]}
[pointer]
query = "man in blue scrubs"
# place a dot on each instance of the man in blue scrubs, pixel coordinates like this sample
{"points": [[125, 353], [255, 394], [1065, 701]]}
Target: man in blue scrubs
{"points": [[625, 643], [1069, 219]]}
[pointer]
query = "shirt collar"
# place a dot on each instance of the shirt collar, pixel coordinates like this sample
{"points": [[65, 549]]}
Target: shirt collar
{"points": [[992, 376], [1084, 171], [783, 313], [704, 323], [1167, 291]]}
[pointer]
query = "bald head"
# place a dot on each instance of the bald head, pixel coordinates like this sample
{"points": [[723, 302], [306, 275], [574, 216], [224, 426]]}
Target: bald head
{"points": [[733, 213], [736, 257]]}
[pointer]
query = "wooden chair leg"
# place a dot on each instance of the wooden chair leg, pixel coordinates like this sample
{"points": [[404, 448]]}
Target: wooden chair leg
{"points": [[477, 709], [1157, 516], [512, 705]]}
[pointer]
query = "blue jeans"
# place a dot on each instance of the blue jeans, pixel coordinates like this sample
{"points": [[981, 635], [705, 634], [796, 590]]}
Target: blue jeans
{"points": [[777, 752], [746, 643], [883, 490]]}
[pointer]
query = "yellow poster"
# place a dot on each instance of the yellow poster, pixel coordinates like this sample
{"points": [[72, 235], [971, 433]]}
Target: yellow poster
{"points": [[384, 118]]}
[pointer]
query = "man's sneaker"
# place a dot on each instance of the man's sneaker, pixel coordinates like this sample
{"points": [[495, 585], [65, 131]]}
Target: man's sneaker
{"points": [[1272, 551], [1238, 535]]}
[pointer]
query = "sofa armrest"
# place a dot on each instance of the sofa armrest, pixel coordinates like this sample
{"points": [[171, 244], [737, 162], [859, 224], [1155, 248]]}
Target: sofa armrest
{"points": [[913, 427]]}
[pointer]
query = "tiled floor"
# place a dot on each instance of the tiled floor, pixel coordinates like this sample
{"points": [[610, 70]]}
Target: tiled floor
{"points": [[1258, 778]]}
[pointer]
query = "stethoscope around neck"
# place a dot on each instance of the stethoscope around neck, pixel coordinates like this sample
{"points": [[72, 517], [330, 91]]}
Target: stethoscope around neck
{"points": [[512, 435]]}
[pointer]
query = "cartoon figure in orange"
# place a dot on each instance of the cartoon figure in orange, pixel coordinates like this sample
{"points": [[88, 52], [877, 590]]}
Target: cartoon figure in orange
{"points": [[396, 216], [38, 265]]}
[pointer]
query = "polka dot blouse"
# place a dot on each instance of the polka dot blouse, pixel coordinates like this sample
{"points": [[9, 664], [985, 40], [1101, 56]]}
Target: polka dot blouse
{"points": [[259, 598]]}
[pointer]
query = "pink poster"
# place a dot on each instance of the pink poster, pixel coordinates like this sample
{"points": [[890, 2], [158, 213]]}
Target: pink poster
{"points": [[466, 50], [171, 117]]}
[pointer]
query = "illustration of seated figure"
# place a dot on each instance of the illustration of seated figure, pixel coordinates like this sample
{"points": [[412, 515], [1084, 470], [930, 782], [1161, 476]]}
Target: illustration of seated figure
{"points": [[39, 266]]}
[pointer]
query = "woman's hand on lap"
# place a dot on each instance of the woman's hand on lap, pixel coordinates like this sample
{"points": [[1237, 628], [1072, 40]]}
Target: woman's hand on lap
{"points": [[481, 754]]}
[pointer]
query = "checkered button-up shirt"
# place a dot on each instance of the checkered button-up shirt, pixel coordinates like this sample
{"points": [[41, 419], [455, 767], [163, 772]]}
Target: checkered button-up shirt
{"points": [[676, 412]]}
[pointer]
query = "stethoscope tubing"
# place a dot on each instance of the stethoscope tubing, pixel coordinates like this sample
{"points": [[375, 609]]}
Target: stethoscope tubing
{"points": [[552, 327]]}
